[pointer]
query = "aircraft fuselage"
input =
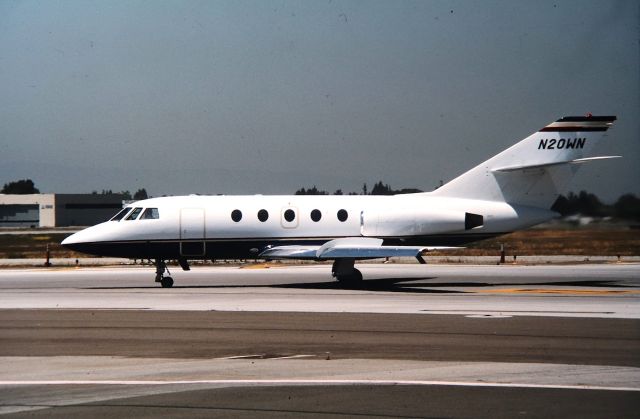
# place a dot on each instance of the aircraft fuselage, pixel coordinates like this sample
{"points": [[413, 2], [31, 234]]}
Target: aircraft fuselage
{"points": [[239, 227]]}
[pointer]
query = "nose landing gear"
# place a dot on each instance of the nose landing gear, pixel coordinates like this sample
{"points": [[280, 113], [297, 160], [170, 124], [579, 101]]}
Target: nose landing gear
{"points": [[161, 267]]}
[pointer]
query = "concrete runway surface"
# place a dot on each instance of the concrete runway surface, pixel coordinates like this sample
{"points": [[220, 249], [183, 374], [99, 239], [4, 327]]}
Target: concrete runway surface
{"points": [[287, 341]]}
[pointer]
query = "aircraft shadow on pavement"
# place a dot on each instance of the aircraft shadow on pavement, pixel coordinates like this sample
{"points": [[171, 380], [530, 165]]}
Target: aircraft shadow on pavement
{"points": [[382, 284], [408, 285], [404, 285], [411, 285]]}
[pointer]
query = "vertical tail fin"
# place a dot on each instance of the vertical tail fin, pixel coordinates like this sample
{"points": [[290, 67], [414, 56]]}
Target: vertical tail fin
{"points": [[534, 171]]}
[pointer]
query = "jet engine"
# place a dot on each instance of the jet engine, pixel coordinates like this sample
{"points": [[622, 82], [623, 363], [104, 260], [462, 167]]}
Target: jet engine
{"points": [[417, 222]]}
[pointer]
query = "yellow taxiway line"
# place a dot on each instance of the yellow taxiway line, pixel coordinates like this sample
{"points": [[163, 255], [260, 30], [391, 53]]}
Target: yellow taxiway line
{"points": [[558, 291]]}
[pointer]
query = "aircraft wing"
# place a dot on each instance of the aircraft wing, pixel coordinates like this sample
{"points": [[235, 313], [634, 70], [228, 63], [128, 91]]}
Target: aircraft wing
{"points": [[348, 247], [289, 252]]}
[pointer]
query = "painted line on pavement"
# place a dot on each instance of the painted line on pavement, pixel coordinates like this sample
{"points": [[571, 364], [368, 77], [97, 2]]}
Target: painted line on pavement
{"points": [[557, 291]]}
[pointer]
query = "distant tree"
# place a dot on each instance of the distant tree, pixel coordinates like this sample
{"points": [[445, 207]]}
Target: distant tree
{"points": [[381, 189], [384, 189], [409, 190], [583, 203], [628, 207], [20, 187], [589, 204], [126, 195], [310, 191], [140, 194]]}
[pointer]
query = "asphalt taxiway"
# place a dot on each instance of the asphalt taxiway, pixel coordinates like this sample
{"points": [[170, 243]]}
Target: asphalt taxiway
{"points": [[272, 340]]}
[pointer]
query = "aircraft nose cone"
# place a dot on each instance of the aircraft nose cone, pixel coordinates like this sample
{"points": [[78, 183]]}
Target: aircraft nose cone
{"points": [[68, 241], [84, 240], [73, 242], [97, 240]]}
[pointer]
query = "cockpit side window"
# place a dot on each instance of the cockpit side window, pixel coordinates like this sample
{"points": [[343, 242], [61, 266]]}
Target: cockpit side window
{"points": [[150, 214], [120, 214], [134, 214]]}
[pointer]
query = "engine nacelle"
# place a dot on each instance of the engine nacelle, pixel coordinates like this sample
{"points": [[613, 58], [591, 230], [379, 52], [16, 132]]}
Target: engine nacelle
{"points": [[417, 222]]}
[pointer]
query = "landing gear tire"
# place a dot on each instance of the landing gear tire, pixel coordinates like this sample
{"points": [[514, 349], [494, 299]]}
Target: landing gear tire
{"points": [[345, 272], [166, 282], [352, 278]]}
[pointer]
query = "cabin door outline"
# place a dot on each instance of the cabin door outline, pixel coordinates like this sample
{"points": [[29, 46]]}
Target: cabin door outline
{"points": [[192, 232]]}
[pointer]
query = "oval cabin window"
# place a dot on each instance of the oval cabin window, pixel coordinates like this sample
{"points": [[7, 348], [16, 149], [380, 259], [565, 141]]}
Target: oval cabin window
{"points": [[289, 215]]}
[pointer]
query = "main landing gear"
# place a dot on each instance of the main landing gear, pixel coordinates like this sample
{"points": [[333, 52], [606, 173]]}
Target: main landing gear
{"points": [[161, 267], [345, 272]]}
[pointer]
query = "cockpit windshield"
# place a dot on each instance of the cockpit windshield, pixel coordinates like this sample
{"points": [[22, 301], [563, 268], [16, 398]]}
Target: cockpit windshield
{"points": [[134, 214], [120, 215], [147, 214]]}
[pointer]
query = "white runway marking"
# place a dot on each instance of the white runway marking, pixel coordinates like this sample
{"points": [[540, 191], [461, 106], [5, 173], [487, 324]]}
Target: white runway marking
{"points": [[294, 357], [312, 382], [257, 356]]}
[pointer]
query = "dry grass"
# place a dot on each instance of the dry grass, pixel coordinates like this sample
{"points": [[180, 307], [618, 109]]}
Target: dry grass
{"points": [[20, 246], [579, 241]]}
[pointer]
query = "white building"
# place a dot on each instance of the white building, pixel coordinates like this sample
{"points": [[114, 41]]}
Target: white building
{"points": [[57, 210]]}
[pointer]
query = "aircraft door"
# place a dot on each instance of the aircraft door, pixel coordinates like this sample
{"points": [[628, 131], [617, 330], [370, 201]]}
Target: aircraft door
{"points": [[192, 232]]}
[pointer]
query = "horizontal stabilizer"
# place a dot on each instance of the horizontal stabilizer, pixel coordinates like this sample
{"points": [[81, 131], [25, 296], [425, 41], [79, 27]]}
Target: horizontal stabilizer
{"points": [[540, 166], [346, 248]]}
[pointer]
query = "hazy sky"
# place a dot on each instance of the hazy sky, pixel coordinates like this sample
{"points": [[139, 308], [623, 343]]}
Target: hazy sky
{"points": [[243, 97]]}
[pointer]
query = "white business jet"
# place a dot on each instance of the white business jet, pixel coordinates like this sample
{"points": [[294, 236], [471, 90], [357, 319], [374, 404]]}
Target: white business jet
{"points": [[512, 190]]}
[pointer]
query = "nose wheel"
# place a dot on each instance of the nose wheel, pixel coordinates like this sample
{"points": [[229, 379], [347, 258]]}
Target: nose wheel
{"points": [[166, 282], [161, 268]]}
